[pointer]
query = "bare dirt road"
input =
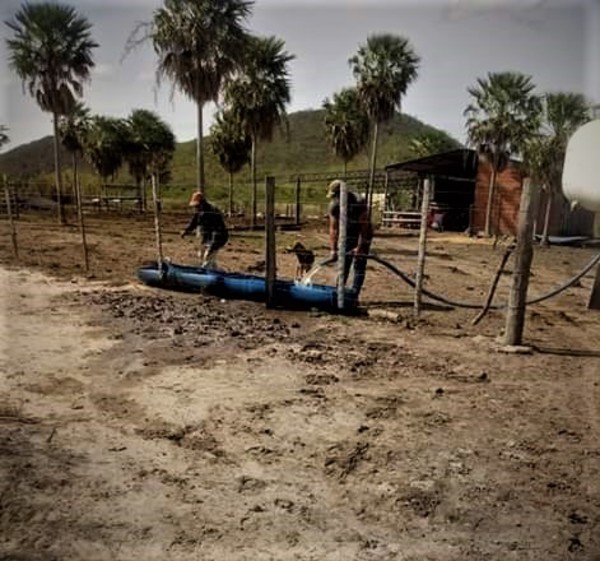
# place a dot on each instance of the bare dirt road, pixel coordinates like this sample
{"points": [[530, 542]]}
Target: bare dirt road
{"points": [[140, 424]]}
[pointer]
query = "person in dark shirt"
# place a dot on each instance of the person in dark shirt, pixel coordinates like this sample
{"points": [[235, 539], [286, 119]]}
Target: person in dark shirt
{"points": [[359, 234], [212, 228]]}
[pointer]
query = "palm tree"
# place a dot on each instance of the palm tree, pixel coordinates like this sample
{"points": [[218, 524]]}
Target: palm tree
{"points": [[73, 130], [107, 142], [51, 52], [562, 114], [258, 95], [3, 135], [347, 125], [501, 119], [231, 146], [199, 44], [152, 144], [384, 67]]}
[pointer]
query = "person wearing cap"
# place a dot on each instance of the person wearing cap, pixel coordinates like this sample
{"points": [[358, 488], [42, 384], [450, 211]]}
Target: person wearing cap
{"points": [[212, 227], [359, 233]]}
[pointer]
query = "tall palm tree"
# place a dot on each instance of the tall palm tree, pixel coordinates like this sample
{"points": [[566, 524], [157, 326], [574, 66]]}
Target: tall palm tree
{"points": [[258, 95], [384, 67], [231, 146], [51, 52], [107, 142], [73, 130], [562, 114], [503, 116], [347, 124], [152, 144], [199, 44], [3, 135]]}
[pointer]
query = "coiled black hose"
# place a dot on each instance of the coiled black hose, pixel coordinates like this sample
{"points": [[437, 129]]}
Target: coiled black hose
{"points": [[436, 297]]}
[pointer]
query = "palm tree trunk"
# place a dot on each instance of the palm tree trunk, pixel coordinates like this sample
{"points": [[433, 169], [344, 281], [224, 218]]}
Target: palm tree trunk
{"points": [[230, 194], [372, 170], [58, 170], [200, 151], [488, 210], [547, 214], [253, 166]]}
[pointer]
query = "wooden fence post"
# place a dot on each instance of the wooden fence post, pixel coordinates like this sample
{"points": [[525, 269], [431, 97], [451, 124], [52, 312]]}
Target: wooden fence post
{"points": [[594, 301], [422, 246], [270, 256], [11, 222], [86, 261], [515, 313], [341, 250], [297, 196], [157, 227]]}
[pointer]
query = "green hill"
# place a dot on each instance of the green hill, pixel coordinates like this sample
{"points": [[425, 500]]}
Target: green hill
{"points": [[303, 149]]}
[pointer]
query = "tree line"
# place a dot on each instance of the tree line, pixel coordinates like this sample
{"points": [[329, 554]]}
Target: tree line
{"points": [[205, 51]]}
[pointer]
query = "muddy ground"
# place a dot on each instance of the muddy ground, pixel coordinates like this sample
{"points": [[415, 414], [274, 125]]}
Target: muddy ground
{"points": [[141, 424]]}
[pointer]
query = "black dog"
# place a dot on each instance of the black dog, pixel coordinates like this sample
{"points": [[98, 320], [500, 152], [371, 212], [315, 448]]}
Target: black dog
{"points": [[306, 258]]}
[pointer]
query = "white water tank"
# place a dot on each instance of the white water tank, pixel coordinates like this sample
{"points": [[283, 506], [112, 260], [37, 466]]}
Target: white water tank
{"points": [[581, 172]]}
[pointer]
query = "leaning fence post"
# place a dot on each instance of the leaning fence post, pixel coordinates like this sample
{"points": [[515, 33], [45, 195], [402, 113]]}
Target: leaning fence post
{"points": [[13, 230], [343, 221], [422, 246], [515, 313], [270, 256]]}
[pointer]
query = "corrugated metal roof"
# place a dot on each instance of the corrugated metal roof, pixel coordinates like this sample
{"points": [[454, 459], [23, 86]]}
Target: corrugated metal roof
{"points": [[460, 163]]}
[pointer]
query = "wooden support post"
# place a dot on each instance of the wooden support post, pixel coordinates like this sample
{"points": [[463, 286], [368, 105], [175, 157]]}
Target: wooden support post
{"points": [[515, 314], [422, 246], [271, 255], [342, 229], [157, 226], [385, 192], [13, 229], [86, 261], [297, 209], [594, 302]]}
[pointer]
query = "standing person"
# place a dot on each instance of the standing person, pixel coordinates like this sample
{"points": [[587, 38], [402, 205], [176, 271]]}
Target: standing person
{"points": [[212, 227], [359, 233]]}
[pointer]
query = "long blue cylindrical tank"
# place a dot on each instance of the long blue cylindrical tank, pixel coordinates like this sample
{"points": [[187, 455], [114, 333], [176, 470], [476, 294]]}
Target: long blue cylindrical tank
{"points": [[288, 294]]}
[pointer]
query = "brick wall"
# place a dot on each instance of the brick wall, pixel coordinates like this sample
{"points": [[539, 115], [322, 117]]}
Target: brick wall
{"points": [[505, 207]]}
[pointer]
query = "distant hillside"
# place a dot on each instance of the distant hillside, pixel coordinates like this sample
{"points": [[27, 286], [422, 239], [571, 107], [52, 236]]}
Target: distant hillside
{"points": [[304, 149]]}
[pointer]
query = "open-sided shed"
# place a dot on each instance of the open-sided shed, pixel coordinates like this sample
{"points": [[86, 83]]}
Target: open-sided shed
{"points": [[460, 190]]}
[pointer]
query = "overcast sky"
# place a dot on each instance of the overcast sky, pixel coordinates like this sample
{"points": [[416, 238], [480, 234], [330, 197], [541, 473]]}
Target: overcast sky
{"points": [[556, 41]]}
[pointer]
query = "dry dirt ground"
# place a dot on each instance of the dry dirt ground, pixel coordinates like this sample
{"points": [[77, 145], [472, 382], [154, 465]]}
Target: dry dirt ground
{"points": [[141, 424]]}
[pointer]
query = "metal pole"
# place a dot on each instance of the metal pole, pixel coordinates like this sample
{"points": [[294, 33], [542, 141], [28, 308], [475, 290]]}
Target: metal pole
{"points": [[422, 246], [157, 227], [13, 230], [270, 256], [342, 228]]}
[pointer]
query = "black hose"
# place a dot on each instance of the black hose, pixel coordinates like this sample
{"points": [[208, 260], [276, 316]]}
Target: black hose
{"points": [[406, 278]]}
